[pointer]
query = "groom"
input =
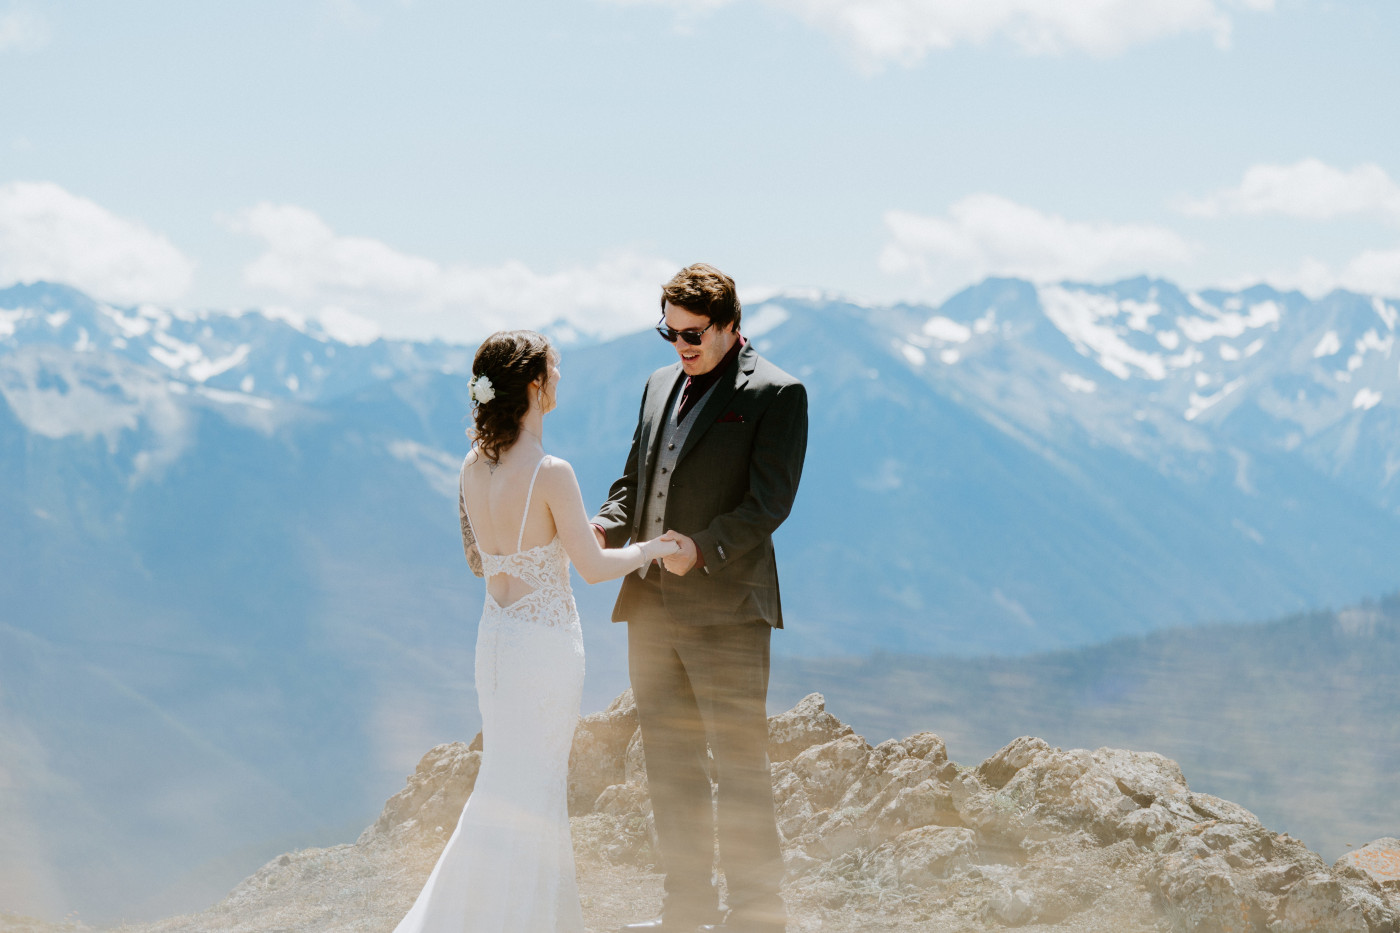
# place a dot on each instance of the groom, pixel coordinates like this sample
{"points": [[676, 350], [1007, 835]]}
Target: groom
{"points": [[715, 462]]}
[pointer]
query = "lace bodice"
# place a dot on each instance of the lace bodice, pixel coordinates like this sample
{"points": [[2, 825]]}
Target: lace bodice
{"points": [[545, 569]]}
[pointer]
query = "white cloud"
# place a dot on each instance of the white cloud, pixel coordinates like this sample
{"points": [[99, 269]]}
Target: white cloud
{"points": [[48, 233], [1372, 272], [21, 30], [984, 235], [309, 265], [1310, 189], [904, 31]]}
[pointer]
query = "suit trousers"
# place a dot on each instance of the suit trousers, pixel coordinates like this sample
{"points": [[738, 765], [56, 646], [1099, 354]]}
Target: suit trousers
{"points": [[699, 685]]}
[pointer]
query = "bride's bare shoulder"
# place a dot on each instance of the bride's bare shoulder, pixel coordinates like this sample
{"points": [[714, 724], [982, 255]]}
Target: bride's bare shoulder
{"points": [[557, 474], [556, 467]]}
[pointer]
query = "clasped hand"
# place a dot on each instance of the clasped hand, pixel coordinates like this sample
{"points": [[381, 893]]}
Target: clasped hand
{"points": [[680, 560]]}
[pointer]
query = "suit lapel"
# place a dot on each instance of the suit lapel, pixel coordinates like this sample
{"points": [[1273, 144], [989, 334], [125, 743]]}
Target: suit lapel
{"points": [[724, 390]]}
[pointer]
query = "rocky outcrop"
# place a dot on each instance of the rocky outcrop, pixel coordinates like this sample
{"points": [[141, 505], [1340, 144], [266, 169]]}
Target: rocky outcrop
{"points": [[1034, 835], [433, 799]]}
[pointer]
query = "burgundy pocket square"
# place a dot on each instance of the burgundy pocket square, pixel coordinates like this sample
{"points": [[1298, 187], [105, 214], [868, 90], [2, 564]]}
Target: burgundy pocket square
{"points": [[731, 417]]}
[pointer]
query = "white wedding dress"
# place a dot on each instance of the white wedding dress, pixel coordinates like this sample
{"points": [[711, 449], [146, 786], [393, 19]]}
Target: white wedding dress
{"points": [[509, 865]]}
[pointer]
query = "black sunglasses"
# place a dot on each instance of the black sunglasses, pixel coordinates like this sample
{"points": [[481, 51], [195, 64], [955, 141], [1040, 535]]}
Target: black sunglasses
{"points": [[692, 337]]}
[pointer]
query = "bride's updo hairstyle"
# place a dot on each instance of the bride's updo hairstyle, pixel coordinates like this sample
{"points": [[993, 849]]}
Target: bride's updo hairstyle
{"points": [[503, 368]]}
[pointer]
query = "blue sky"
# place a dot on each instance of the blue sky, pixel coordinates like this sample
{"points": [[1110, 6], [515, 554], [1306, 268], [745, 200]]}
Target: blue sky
{"points": [[448, 168]]}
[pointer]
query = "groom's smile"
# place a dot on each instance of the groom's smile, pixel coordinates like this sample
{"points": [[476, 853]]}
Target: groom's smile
{"points": [[714, 343]]}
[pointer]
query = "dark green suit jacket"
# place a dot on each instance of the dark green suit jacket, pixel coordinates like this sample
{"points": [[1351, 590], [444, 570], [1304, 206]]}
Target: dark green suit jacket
{"points": [[732, 487]]}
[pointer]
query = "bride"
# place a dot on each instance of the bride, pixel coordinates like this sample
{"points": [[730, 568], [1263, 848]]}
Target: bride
{"points": [[509, 866]]}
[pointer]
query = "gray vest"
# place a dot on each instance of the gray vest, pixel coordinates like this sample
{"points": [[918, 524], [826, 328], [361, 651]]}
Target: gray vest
{"points": [[673, 437]]}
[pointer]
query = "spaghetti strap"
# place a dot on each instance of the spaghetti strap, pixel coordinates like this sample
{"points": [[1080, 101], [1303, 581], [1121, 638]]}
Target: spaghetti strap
{"points": [[520, 538]]}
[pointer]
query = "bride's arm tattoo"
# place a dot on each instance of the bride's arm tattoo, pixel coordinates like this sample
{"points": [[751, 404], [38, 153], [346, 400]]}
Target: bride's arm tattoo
{"points": [[468, 539]]}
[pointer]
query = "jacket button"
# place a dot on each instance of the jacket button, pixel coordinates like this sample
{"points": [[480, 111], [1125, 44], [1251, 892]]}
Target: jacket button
{"points": [[664, 470], [670, 446]]}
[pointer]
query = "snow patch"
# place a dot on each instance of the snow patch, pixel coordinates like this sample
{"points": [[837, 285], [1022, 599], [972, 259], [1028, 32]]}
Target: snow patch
{"points": [[1140, 313], [985, 323], [1077, 383], [173, 353], [246, 383], [913, 354], [1079, 316], [1328, 345], [9, 319], [947, 330], [77, 396], [768, 317], [1201, 305], [1371, 340], [293, 383], [950, 356], [1228, 352], [1169, 339], [129, 326], [1230, 323], [204, 370], [1386, 312], [225, 397], [1203, 403], [1366, 399], [58, 319], [1186, 358]]}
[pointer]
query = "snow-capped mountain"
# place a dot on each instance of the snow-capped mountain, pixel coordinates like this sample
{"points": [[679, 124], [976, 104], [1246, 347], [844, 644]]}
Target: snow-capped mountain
{"points": [[232, 566], [1023, 467], [1159, 373]]}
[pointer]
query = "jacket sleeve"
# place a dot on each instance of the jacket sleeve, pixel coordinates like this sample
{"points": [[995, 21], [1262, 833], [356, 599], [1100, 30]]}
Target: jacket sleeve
{"points": [[775, 467], [616, 515]]}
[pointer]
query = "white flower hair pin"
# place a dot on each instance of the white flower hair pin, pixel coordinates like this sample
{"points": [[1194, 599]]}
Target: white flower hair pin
{"points": [[481, 389]]}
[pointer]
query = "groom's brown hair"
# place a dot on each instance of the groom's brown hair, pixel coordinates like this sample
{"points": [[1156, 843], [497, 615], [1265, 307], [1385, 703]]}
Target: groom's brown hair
{"points": [[703, 289]]}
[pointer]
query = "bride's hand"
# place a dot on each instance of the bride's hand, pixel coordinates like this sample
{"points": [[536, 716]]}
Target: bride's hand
{"points": [[658, 548]]}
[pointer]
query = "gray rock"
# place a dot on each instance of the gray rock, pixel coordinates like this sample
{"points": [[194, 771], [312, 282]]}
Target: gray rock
{"points": [[597, 759], [1378, 860], [1059, 838], [1322, 901], [930, 853], [1014, 905], [806, 724], [433, 799]]}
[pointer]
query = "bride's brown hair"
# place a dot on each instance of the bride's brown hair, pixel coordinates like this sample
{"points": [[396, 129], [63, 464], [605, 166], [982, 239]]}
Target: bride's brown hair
{"points": [[511, 360]]}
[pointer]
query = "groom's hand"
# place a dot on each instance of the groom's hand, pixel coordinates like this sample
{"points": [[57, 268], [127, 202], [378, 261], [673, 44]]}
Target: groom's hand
{"points": [[683, 560], [602, 538]]}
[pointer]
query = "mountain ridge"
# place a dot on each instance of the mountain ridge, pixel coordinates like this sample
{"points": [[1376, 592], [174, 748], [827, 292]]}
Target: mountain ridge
{"points": [[202, 576]]}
